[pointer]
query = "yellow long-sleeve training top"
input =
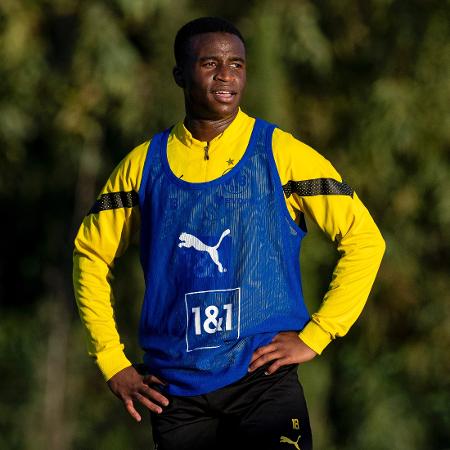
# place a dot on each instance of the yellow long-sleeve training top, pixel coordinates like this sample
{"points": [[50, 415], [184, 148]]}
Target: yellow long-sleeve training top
{"points": [[311, 186]]}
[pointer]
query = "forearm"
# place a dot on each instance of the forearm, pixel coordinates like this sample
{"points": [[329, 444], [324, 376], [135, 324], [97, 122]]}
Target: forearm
{"points": [[94, 299], [361, 251]]}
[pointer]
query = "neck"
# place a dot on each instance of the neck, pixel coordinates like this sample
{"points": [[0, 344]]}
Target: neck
{"points": [[207, 129]]}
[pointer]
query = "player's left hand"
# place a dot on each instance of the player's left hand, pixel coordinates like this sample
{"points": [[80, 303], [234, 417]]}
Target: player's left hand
{"points": [[286, 348]]}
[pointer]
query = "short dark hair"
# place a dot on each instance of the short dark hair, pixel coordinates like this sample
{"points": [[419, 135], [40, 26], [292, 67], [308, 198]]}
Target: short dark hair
{"points": [[200, 26]]}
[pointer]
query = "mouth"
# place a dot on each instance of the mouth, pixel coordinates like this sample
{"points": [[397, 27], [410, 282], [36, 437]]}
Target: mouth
{"points": [[224, 95]]}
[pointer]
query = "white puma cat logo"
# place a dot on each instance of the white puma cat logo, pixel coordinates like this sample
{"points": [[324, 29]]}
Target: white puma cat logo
{"points": [[188, 240]]}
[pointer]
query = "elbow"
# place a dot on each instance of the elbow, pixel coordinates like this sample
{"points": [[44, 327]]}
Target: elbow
{"points": [[380, 245]]}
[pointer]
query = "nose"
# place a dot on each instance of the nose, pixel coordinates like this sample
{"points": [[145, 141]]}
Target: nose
{"points": [[224, 73]]}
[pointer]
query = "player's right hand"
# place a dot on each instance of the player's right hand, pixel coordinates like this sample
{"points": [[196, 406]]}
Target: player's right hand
{"points": [[128, 385]]}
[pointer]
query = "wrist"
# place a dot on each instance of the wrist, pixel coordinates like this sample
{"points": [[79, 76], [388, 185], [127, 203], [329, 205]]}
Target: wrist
{"points": [[315, 337]]}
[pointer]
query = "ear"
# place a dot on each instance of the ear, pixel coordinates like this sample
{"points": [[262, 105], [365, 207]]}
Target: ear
{"points": [[178, 76]]}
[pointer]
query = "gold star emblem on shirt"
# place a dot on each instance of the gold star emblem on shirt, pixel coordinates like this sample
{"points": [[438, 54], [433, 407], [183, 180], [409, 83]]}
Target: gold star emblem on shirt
{"points": [[230, 162]]}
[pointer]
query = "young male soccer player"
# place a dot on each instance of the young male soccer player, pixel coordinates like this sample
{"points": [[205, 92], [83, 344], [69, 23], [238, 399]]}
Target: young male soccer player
{"points": [[220, 200]]}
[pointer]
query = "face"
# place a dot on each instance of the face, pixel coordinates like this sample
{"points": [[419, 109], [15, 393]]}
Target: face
{"points": [[213, 75]]}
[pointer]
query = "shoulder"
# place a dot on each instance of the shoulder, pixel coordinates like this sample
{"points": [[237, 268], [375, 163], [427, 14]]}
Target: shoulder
{"points": [[296, 160], [135, 158], [128, 173]]}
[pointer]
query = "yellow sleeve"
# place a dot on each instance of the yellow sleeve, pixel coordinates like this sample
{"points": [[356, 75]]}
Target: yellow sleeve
{"points": [[103, 236], [313, 187]]}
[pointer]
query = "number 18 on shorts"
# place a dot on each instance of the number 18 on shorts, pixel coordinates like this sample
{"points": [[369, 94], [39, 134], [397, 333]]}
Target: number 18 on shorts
{"points": [[213, 317]]}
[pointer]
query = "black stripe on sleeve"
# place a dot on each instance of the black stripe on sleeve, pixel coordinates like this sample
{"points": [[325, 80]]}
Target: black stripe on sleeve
{"points": [[317, 186], [115, 200]]}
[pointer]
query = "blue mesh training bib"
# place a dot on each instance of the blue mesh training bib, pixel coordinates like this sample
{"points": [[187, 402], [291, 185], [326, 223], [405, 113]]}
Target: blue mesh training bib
{"points": [[221, 267]]}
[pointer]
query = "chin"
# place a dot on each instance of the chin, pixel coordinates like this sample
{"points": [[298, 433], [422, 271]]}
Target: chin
{"points": [[213, 110], [224, 111]]}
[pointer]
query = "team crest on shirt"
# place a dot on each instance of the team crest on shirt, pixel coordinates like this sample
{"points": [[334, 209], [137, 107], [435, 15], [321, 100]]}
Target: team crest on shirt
{"points": [[208, 253]]}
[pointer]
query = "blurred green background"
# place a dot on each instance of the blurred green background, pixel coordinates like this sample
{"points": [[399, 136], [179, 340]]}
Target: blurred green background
{"points": [[365, 82]]}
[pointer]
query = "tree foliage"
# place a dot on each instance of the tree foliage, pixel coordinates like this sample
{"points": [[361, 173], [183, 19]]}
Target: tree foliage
{"points": [[366, 83]]}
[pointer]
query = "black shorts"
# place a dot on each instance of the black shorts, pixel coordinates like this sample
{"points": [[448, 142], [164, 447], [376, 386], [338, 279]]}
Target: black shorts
{"points": [[257, 412]]}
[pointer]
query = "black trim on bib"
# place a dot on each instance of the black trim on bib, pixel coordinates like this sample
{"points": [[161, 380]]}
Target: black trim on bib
{"points": [[115, 200], [317, 186]]}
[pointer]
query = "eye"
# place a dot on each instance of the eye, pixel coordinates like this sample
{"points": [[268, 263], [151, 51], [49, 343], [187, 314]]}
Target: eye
{"points": [[236, 65], [209, 64]]}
